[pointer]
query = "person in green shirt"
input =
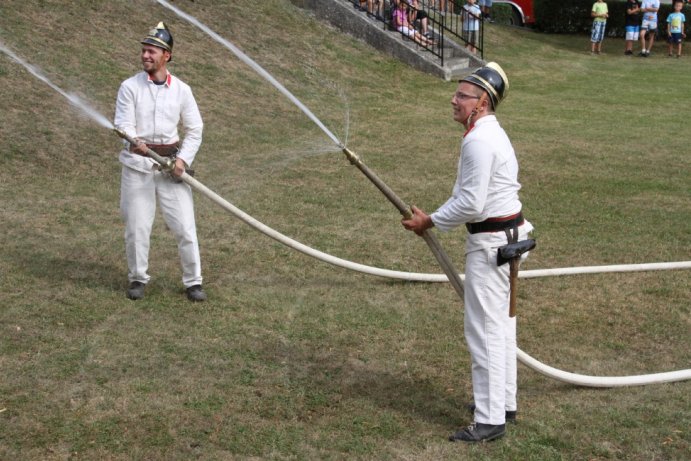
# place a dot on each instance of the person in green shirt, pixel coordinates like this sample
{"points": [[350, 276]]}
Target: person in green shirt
{"points": [[599, 14]]}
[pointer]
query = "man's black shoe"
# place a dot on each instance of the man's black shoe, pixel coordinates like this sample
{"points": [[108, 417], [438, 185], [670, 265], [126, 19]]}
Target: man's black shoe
{"points": [[478, 432], [195, 293], [509, 416], [136, 290]]}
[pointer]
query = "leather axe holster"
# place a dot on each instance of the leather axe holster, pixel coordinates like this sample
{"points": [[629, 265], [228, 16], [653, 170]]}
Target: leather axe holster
{"points": [[512, 253]]}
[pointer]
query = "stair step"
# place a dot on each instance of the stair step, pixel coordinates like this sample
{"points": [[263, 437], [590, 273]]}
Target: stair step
{"points": [[341, 13]]}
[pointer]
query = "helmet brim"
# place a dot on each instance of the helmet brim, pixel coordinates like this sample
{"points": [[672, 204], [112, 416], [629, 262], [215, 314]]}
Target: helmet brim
{"points": [[153, 41]]}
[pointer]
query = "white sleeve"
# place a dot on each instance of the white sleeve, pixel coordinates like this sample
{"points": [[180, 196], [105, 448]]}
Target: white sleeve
{"points": [[193, 127], [125, 116], [470, 194]]}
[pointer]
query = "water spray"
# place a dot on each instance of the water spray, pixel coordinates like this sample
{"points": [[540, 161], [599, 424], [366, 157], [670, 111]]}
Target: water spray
{"points": [[451, 274], [434, 245], [430, 239], [72, 98]]}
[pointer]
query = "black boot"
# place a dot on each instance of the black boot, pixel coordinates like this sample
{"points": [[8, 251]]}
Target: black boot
{"points": [[136, 291], [478, 432], [195, 293]]}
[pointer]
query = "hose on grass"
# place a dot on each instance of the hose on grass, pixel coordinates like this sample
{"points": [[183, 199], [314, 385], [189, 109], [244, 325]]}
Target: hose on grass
{"points": [[530, 362]]}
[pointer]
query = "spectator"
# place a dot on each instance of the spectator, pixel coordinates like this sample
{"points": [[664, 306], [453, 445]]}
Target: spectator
{"points": [[443, 6], [379, 13], [649, 25], [675, 27], [486, 7], [632, 24], [402, 24], [415, 14], [471, 15], [599, 14]]}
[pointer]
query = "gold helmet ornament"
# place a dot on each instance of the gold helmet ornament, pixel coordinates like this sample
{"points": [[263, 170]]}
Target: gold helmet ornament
{"points": [[493, 80], [159, 36]]}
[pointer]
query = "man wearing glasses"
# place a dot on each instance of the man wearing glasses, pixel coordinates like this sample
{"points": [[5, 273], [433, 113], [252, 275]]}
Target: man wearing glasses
{"points": [[485, 199]]}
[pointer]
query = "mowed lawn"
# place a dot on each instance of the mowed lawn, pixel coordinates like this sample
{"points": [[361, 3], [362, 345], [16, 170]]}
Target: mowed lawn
{"points": [[292, 358]]}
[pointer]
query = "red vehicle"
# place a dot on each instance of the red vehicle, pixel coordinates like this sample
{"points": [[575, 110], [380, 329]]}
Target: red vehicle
{"points": [[522, 10]]}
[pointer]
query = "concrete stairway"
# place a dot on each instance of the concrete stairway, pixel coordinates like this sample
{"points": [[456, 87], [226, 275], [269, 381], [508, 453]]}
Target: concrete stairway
{"points": [[457, 61]]}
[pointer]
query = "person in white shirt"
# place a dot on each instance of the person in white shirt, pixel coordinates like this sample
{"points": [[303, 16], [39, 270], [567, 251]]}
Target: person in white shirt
{"points": [[149, 107], [485, 199], [648, 26]]}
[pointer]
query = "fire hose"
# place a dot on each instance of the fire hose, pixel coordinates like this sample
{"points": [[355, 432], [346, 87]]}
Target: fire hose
{"points": [[451, 274], [577, 379]]}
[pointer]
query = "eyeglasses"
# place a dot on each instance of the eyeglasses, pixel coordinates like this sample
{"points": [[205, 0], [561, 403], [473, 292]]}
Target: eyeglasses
{"points": [[463, 96]]}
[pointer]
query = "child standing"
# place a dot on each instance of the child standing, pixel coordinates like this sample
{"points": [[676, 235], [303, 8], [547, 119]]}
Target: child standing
{"points": [[632, 24], [471, 25], [675, 27], [599, 14], [649, 25]]}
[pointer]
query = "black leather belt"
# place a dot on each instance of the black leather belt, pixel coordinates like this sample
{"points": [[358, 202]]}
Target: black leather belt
{"points": [[495, 224]]}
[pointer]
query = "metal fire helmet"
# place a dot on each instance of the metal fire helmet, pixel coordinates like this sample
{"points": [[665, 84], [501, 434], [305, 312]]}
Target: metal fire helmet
{"points": [[160, 36], [493, 80]]}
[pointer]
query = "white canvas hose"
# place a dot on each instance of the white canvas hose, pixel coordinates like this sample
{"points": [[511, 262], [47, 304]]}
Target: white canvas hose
{"points": [[530, 362], [582, 380], [523, 357], [413, 276]]}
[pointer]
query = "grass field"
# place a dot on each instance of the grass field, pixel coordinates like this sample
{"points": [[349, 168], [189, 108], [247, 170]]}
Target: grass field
{"points": [[292, 358]]}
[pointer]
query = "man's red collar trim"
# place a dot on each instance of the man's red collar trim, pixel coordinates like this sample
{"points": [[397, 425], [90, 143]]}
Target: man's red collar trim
{"points": [[470, 128], [169, 78]]}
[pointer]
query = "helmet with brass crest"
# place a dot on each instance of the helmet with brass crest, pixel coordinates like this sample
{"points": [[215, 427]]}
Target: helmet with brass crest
{"points": [[493, 80], [159, 36]]}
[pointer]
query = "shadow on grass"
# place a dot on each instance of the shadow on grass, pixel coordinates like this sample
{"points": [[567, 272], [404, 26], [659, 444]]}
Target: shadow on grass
{"points": [[333, 381], [80, 267]]}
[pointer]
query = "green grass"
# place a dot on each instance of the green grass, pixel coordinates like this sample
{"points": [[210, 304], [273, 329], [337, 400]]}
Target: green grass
{"points": [[295, 359]]}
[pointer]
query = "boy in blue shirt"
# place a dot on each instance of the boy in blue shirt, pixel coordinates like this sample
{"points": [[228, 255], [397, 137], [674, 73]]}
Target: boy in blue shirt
{"points": [[675, 27]]}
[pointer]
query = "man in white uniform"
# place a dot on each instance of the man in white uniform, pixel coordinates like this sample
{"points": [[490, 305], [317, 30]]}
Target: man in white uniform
{"points": [[485, 199], [149, 107]]}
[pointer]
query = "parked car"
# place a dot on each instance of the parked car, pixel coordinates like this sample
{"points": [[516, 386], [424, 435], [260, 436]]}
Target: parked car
{"points": [[522, 13]]}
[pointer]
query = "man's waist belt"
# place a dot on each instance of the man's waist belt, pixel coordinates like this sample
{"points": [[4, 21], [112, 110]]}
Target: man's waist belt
{"points": [[495, 224], [164, 150]]}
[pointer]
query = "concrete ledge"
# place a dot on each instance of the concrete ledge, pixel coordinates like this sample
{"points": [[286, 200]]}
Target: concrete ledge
{"points": [[340, 13]]}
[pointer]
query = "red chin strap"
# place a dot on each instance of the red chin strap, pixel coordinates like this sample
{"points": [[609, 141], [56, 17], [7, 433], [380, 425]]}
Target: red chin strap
{"points": [[469, 122]]}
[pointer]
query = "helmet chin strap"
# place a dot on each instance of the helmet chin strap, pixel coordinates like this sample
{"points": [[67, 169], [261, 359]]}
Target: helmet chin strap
{"points": [[469, 122]]}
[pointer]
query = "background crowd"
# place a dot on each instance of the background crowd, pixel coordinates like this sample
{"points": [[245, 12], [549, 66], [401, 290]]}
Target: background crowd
{"points": [[642, 23]]}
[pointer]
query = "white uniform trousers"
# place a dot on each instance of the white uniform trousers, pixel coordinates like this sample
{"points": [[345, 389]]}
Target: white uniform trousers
{"points": [[138, 192], [491, 336]]}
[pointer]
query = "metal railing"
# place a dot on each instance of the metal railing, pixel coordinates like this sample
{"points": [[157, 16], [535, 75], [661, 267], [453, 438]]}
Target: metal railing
{"points": [[467, 27], [438, 18]]}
